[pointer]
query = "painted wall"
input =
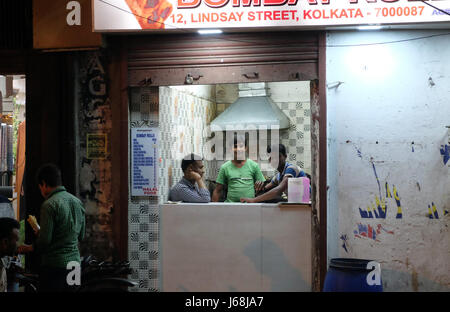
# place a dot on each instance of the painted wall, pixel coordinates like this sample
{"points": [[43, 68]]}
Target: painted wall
{"points": [[388, 154], [94, 189]]}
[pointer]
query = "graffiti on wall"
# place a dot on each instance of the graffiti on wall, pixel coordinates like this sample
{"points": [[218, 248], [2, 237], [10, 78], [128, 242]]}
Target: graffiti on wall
{"points": [[366, 230], [95, 172], [344, 239], [433, 212], [378, 210], [445, 152]]}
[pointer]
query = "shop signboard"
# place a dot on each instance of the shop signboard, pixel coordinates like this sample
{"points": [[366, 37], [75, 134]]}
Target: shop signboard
{"points": [[64, 24], [144, 161], [136, 15]]}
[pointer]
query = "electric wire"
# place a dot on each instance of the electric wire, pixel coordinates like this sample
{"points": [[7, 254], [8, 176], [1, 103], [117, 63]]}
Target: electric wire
{"points": [[445, 12]]}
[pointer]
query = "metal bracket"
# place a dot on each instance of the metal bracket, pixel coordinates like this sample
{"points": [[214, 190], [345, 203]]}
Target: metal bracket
{"points": [[190, 79], [251, 76], [146, 81], [299, 76]]}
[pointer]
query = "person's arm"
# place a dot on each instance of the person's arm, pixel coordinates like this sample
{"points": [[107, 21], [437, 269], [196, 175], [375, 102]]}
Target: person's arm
{"points": [[83, 225], [189, 195], [258, 175], [217, 193], [269, 186], [201, 184], [220, 182], [274, 192], [259, 186], [46, 232], [24, 248], [192, 175]]}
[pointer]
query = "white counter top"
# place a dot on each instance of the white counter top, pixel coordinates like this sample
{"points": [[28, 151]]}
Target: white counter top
{"points": [[285, 204], [221, 246]]}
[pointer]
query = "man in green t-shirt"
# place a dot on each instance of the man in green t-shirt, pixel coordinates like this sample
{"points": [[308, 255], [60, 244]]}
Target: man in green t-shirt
{"points": [[239, 175]]}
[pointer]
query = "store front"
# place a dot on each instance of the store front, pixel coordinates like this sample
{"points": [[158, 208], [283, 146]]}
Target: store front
{"points": [[368, 121], [160, 97], [152, 69], [146, 71]]}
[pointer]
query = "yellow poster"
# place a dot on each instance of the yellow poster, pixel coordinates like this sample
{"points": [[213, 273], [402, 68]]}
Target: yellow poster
{"points": [[96, 146]]}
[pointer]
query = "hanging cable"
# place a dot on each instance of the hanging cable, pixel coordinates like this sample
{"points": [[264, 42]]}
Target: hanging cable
{"points": [[445, 12]]}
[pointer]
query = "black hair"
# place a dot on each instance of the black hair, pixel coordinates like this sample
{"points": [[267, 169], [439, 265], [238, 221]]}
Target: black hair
{"points": [[189, 159], [281, 149], [6, 227], [50, 174]]}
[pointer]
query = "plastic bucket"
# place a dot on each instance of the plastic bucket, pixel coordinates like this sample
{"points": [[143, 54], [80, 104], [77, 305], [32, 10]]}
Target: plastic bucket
{"points": [[351, 275]]}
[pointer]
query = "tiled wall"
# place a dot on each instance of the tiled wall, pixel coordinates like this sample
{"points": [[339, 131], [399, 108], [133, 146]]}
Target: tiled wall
{"points": [[184, 116], [293, 98], [143, 211], [181, 118], [297, 138]]}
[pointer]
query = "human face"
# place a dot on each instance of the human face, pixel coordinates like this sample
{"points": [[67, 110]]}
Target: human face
{"points": [[42, 189], [9, 245], [45, 189], [277, 163], [199, 167], [239, 151]]}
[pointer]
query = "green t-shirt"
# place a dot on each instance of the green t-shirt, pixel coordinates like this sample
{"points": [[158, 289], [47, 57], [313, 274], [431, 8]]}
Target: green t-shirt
{"points": [[62, 226], [240, 181]]}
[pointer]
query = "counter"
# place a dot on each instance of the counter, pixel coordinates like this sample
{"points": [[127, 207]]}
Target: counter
{"points": [[235, 247]]}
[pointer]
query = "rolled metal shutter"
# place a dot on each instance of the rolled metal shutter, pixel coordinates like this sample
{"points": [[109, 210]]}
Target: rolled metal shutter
{"points": [[238, 57]]}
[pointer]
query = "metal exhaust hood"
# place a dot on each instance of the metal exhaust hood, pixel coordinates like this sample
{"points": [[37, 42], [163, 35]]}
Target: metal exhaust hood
{"points": [[251, 110]]}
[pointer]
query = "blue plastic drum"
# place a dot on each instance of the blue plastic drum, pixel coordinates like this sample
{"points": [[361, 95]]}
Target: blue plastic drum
{"points": [[351, 275]]}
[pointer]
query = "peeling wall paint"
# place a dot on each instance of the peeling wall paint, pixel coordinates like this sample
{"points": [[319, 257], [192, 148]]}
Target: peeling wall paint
{"points": [[387, 152], [95, 174]]}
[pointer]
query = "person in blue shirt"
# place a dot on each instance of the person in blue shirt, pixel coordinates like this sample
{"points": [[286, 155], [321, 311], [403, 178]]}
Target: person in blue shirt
{"points": [[191, 188], [279, 182]]}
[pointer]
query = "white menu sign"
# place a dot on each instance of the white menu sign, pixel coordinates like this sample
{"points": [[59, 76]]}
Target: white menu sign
{"points": [[144, 161]]}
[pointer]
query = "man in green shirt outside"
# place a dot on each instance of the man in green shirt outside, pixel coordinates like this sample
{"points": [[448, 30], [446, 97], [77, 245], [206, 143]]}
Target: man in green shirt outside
{"points": [[239, 175], [62, 226]]}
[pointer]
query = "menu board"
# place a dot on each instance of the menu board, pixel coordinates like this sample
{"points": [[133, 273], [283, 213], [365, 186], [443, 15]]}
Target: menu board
{"points": [[144, 161]]}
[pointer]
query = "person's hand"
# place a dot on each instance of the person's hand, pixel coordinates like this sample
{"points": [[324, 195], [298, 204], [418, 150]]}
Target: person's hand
{"points": [[248, 200], [259, 186], [22, 249], [192, 175]]}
